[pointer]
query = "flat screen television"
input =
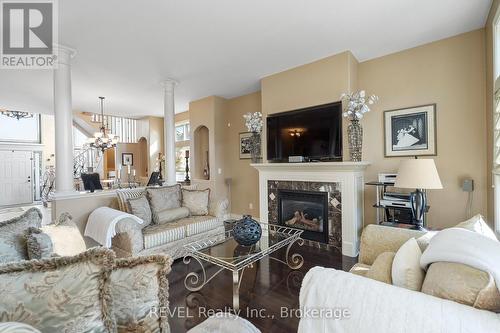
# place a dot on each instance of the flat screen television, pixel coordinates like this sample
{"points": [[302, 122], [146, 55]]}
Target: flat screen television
{"points": [[315, 133]]}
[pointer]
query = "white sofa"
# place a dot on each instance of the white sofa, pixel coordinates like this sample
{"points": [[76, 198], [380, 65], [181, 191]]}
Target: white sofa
{"points": [[363, 305]]}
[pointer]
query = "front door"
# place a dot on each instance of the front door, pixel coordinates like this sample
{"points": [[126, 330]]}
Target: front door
{"points": [[15, 177]]}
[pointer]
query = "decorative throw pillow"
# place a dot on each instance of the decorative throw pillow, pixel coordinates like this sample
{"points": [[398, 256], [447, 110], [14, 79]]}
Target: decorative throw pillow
{"points": [[67, 240], [67, 294], [39, 244], [406, 270], [12, 234], [17, 328], [163, 198], [141, 281], [172, 215], [479, 225], [196, 201], [128, 193], [140, 208], [192, 187], [463, 284], [381, 270], [8, 253]]}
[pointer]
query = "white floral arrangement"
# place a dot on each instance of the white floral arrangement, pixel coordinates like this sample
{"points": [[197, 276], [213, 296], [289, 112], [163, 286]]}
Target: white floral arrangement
{"points": [[356, 104], [253, 122]]}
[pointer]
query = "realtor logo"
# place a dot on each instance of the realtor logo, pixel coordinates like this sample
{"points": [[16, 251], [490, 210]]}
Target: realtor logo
{"points": [[29, 31]]}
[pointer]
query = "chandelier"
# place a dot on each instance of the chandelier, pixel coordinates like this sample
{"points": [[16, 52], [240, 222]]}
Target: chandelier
{"points": [[102, 140], [16, 114]]}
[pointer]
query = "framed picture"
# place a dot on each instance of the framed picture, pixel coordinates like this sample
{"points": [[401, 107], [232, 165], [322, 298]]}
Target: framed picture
{"points": [[127, 159], [410, 131], [245, 143]]}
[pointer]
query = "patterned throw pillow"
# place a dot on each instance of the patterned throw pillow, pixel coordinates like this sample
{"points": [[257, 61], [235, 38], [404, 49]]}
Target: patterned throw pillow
{"points": [[65, 294], [128, 193], [141, 282], [163, 198], [196, 201], [140, 208], [12, 238], [39, 244]]}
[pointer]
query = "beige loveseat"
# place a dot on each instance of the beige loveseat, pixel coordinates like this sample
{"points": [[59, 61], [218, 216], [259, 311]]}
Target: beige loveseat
{"points": [[377, 239], [361, 304], [166, 238]]}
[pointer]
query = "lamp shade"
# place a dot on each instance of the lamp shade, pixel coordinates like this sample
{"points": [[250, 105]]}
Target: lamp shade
{"points": [[418, 174]]}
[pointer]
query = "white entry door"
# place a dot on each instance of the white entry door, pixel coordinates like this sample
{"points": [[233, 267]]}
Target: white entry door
{"points": [[15, 177]]}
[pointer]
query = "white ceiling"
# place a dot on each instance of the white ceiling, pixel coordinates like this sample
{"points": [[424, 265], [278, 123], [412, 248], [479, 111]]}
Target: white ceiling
{"points": [[221, 47]]}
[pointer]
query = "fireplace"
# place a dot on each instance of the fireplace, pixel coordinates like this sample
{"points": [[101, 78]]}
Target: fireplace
{"points": [[304, 210]]}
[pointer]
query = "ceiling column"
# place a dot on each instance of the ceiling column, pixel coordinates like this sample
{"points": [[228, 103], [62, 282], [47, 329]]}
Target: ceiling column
{"points": [[63, 118], [169, 129]]}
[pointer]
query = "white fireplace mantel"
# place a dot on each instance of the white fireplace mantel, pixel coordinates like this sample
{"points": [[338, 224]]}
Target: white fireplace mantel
{"points": [[349, 174]]}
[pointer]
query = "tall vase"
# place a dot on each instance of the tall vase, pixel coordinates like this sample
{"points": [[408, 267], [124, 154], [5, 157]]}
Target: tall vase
{"points": [[255, 150], [355, 137]]}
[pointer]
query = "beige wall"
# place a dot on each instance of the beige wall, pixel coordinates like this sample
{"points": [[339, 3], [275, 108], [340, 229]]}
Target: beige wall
{"points": [[320, 82], [209, 112], [182, 116], [140, 159], [155, 141], [244, 178], [450, 73], [489, 104]]}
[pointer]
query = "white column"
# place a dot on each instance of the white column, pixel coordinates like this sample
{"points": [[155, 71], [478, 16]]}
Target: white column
{"points": [[169, 129], [63, 117]]}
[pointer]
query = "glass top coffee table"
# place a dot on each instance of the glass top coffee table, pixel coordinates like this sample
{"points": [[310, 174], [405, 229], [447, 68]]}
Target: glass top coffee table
{"points": [[223, 251]]}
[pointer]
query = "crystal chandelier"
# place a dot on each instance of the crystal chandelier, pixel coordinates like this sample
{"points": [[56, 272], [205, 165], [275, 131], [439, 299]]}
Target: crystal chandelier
{"points": [[101, 139], [16, 114]]}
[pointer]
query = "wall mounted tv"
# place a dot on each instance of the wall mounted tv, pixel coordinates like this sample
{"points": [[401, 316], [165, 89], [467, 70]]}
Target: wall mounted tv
{"points": [[314, 133]]}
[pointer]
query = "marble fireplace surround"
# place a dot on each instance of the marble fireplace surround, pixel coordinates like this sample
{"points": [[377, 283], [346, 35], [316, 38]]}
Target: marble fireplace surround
{"points": [[349, 176], [334, 204]]}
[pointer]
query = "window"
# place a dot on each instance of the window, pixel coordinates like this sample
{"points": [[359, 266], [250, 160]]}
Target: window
{"points": [[182, 136], [124, 128], [23, 130], [182, 132], [180, 163]]}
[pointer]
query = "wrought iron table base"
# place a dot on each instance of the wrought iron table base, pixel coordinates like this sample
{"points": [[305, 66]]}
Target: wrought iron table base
{"points": [[194, 282]]}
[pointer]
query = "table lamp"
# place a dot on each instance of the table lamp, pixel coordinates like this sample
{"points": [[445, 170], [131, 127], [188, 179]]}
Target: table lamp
{"points": [[419, 174]]}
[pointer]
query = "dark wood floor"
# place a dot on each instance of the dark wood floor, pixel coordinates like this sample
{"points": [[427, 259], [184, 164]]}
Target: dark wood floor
{"points": [[265, 289]]}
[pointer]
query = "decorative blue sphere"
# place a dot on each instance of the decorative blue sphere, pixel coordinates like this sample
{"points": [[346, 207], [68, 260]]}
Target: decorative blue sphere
{"points": [[247, 231]]}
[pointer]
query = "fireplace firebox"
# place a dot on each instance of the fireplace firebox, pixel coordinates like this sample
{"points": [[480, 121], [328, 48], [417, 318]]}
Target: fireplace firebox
{"points": [[304, 210]]}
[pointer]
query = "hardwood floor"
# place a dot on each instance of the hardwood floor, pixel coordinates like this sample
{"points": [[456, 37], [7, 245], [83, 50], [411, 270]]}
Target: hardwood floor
{"points": [[267, 290]]}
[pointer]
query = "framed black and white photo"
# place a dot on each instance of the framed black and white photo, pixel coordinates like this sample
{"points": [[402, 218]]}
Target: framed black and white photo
{"points": [[410, 131], [245, 144], [127, 159]]}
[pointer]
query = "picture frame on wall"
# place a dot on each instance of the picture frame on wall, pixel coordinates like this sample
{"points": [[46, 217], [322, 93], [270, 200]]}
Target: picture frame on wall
{"points": [[245, 143], [410, 131], [127, 159]]}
